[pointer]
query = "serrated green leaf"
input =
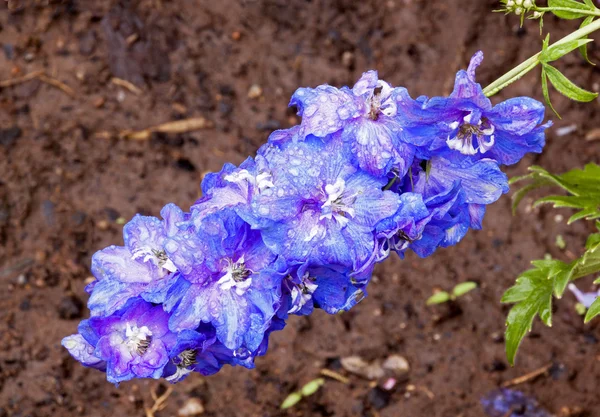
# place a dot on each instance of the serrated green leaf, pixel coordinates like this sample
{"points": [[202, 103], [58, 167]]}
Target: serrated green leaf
{"points": [[312, 387], [583, 50], [567, 87], [546, 93], [291, 400], [593, 311], [558, 51], [520, 319], [569, 4], [582, 185], [463, 288], [438, 298]]}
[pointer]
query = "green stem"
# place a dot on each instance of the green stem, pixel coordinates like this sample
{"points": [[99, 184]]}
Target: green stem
{"points": [[526, 66], [566, 9]]}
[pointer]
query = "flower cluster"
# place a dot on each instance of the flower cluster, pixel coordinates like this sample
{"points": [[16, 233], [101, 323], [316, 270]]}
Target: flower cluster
{"points": [[368, 171]]}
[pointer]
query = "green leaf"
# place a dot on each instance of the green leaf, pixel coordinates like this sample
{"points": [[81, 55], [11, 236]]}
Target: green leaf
{"points": [[583, 50], [532, 294], [520, 318], [593, 311], [291, 400], [569, 4], [546, 94], [463, 288], [438, 298], [312, 387], [583, 187], [593, 242], [566, 87], [558, 51]]}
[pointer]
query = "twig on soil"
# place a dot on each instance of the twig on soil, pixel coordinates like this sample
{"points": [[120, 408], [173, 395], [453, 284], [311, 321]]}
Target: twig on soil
{"points": [[40, 75], [58, 84], [527, 377], [179, 126], [126, 84], [20, 80], [159, 402], [334, 375]]}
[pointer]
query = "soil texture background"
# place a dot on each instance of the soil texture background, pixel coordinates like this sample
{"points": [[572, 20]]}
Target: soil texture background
{"points": [[68, 178]]}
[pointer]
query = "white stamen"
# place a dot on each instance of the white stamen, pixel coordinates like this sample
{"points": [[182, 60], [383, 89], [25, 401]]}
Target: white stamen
{"points": [[302, 293], [228, 281], [135, 335]]}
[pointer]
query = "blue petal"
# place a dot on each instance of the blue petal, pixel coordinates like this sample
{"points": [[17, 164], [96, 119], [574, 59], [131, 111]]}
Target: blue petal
{"points": [[324, 109], [335, 292], [192, 309], [376, 146], [482, 181], [466, 87], [517, 116], [83, 352], [116, 262], [144, 232], [110, 295]]}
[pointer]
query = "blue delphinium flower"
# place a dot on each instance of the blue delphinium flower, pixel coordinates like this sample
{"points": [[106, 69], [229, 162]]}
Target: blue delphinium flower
{"points": [[321, 209], [232, 288], [141, 267], [467, 124], [134, 342], [367, 118]]}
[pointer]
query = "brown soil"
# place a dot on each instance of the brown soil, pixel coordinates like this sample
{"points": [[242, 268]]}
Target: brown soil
{"points": [[66, 180]]}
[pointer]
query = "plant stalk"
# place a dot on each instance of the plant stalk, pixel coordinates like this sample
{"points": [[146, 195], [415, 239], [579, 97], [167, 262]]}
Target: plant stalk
{"points": [[526, 66]]}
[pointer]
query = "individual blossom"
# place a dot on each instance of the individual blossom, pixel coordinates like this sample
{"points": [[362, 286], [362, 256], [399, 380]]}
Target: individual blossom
{"points": [[467, 124], [328, 287], [200, 351], [232, 288], [134, 342], [139, 268], [367, 118], [321, 209]]}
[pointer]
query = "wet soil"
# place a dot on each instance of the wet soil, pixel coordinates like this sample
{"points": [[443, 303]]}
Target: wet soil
{"points": [[67, 181]]}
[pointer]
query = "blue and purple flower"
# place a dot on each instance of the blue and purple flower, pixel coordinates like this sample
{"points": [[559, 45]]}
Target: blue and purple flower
{"points": [[369, 171]]}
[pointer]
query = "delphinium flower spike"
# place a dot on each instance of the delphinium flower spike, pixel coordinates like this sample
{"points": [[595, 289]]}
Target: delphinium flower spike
{"points": [[368, 171]]}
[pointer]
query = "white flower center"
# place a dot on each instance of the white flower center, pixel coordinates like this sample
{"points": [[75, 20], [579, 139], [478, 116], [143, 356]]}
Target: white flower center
{"points": [[463, 141], [236, 276], [337, 204], [381, 101], [138, 338], [301, 293], [158, 258]]}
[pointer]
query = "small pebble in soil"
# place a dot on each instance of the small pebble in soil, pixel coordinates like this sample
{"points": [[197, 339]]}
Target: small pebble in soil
{"points": [[397, 364], [70, 307], [193, 407], [255, 91]]}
